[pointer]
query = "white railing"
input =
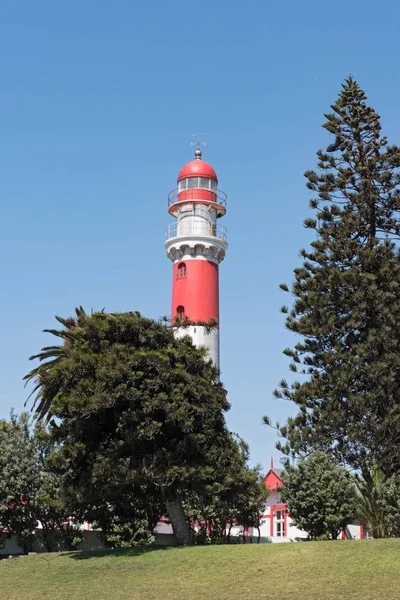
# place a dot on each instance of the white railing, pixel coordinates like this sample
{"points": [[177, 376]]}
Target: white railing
{"points": [[192, 194], [205, 229]]}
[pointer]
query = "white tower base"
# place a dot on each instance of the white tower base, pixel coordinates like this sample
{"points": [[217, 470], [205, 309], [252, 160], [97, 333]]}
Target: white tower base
{"points": [[203, 336]]}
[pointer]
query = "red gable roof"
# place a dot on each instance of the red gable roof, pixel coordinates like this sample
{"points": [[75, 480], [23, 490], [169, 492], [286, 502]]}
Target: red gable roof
{"points": [[273, 479]]}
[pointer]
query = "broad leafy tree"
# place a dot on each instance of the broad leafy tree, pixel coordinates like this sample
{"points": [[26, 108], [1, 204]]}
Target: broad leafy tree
{"points": [[130, 405], [32, 504], [321, 497], [346, 306], [17, 481]]}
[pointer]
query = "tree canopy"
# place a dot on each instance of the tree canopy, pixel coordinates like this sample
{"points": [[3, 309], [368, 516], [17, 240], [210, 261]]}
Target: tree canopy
{"points": [[137, 414], [347, 298], [321, 497], [32, 504]]}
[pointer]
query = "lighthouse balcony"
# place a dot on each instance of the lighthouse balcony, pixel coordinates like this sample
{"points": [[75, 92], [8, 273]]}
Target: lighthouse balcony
{"points": [[197, 229], [201, 194]]}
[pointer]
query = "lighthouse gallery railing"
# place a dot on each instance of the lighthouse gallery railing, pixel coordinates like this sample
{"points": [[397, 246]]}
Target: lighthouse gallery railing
{"points": [[218, 196], [204, 229]]}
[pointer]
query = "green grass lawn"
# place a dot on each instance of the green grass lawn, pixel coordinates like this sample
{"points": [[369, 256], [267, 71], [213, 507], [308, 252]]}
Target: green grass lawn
{"points": [[365, 570]]}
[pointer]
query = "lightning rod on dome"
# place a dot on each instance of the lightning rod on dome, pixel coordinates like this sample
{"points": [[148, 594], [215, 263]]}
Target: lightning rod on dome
{"points": [[199, 143]]}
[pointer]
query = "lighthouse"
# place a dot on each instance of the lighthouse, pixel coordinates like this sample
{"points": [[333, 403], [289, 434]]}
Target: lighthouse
{"points": [[196, 244]]}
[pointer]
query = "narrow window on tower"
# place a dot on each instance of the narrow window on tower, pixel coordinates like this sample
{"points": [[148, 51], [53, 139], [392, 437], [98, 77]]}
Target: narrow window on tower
{"points": [[180, 311], [182, 270]]}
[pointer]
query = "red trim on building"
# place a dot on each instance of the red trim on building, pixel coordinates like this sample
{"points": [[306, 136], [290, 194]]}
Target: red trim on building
{"points": [[361, 531], [197, 194], [274, 508], [343, 534]]}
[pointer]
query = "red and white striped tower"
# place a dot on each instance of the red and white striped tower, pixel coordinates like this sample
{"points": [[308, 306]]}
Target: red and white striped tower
{"points": [[196, 243]]}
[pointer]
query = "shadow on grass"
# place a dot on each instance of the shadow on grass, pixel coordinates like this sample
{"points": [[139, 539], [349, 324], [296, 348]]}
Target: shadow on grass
{"points": [[129, 552]]}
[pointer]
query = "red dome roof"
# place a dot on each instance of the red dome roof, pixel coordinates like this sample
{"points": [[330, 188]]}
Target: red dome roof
{"points": [[197, 168]]}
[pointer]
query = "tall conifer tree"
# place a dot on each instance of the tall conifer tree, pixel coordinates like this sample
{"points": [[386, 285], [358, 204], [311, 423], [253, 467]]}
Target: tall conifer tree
{"points": [[347, 298]]}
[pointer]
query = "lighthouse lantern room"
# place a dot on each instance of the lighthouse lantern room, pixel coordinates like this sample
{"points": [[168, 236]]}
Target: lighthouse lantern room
{"points": [[196, 243]]}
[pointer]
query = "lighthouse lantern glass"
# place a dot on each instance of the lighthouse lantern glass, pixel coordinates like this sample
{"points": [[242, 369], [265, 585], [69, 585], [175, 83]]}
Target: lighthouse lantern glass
{"points": [[197, 182]]}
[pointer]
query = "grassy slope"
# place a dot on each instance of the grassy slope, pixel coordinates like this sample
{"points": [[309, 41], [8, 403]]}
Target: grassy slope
{"points": [[367, 570]]}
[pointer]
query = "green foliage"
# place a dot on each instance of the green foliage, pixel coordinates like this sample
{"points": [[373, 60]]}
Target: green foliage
{"points": [[17, 481], [185, 323], [391, 503], [378, 504], [237, 495], [131, 407], [126, 519], [29, 491], [59, 530], [122, 533], [321, 496], [347, 298]]}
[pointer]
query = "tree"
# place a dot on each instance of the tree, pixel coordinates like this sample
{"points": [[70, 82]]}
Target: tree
{"points": [[126, 512], [130, 405], [17, 481], [320, 496], [378, 505], [391, 503], [31, 501], [57, 518], [236, 496], [347, 298], [130, 521]]}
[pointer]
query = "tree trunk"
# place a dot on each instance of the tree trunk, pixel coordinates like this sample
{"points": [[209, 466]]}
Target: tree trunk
{"points": [[174, 506]]}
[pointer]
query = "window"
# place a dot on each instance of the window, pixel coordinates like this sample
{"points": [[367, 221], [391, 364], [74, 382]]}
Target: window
{"points": [[182, 270], [193, 182], [190, 183], [182, 185], [280, 523], [204, 182], [180, 311]]}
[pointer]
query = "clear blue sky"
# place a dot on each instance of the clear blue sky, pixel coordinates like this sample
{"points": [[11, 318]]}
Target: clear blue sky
{"points": [[98, 103]]}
